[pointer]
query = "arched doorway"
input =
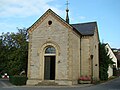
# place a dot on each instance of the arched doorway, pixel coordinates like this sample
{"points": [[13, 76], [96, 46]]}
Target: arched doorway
{"points": [[49, 63]]}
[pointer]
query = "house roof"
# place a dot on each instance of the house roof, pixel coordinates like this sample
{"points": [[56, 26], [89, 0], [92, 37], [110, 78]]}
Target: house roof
{"points": [[85, 28]]}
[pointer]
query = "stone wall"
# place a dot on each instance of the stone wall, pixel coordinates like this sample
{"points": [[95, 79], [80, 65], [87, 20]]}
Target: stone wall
{"points": [[85, 56], [94, 52], [74, 56], [55, 34]]}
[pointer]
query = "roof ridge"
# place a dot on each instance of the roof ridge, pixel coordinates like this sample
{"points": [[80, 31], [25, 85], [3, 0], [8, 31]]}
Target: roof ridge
{"points": [[85, 23]]}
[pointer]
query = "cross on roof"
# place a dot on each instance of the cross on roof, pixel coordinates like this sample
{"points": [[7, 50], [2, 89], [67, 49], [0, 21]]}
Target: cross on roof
{"points": [[67, 3]]}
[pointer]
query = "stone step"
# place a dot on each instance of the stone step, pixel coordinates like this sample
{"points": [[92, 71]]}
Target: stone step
{"points": [[47, 83]]}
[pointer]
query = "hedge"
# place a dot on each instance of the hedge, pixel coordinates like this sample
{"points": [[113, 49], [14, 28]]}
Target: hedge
{"points": [[18, 80]]}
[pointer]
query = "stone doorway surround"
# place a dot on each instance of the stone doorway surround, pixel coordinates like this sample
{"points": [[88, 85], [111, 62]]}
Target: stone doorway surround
{"points": [[52, 55]]}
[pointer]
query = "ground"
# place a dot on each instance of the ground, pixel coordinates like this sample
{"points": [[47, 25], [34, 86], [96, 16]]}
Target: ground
{"points": [[110, 85]]}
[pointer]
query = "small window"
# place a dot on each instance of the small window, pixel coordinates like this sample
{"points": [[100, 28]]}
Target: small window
{"points": [[50, 50], [95, 46], [49, 22]]}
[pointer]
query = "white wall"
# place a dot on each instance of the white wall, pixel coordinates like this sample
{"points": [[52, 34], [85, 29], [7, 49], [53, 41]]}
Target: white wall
{"points": [[114, 59]]}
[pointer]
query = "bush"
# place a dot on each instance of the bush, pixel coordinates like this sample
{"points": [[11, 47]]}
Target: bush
{"points": [[104, 62], [18, 80], [0, 74]]}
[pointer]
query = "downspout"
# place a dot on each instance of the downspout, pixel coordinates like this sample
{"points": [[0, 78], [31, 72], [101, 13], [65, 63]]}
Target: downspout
{"points": [[80, 58], [91, 68]]}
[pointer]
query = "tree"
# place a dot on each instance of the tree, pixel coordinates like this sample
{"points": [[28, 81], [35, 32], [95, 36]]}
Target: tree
{"points": [[104, 61], [14, 52], [2, 57]]}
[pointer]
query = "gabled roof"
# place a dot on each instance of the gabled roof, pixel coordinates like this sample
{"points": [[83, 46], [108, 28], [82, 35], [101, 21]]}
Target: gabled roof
{"points": [[49, 11], [85, 28]]}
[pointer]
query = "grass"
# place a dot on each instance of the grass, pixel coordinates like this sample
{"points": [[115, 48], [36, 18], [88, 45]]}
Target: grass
{"points": [[113, 77]]}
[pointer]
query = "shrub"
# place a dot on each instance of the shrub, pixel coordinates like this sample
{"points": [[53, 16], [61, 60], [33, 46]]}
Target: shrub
{"points": [[18, 80], [104, 62], [0, 74]]}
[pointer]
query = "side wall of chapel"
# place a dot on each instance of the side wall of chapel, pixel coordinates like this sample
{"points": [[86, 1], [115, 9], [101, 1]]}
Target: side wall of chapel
{"points": [[95, 55], [74, 56], [90, 56], [85, 56]]}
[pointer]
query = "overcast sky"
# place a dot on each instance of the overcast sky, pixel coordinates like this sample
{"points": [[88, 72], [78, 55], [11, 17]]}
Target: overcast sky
{"points": [[23, 13]]}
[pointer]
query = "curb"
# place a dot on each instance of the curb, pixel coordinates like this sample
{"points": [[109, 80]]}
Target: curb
{"points": [[73, 86]]}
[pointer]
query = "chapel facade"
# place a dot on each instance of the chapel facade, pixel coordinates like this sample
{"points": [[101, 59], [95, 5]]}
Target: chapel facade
{"points": [[60, 52]]}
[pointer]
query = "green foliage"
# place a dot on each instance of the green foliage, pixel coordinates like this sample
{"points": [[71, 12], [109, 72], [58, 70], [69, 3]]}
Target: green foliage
{"points": [[105, 61], [18, 80], [0, 76], [14, 52]]}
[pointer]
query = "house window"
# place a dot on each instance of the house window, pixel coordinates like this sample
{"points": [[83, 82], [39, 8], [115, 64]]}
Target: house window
{"points": [[50, 50]]}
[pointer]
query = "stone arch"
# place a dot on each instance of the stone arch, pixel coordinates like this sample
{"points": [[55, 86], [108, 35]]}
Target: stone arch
{"points": [[41, 52], [49, 43]]}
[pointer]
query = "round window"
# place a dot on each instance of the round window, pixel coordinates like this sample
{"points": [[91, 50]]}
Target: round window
{"points": [[49, 22]]}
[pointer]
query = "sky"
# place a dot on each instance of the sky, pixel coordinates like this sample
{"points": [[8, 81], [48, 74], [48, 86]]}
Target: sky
{"points": [[23, 13]]}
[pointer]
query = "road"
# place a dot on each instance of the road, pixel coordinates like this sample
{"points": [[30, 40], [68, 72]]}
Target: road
{"points": [[110, 85], [4, 83]]}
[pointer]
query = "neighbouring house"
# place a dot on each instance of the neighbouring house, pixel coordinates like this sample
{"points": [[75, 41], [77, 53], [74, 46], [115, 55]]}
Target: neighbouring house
{"points": [[114, 59], [117, 54], [60, 52], [118, 57]]}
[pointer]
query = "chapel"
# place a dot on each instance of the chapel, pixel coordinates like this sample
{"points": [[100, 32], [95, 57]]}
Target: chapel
{"points": [[60, 52]]}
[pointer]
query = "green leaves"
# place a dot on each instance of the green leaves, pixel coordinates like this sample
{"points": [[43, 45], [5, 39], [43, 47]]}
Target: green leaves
{"points": [[104, 61], [14, 52]]}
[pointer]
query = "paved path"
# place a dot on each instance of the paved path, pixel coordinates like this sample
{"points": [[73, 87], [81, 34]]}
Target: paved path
{"points": [[5, 83], [110, 85]]}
